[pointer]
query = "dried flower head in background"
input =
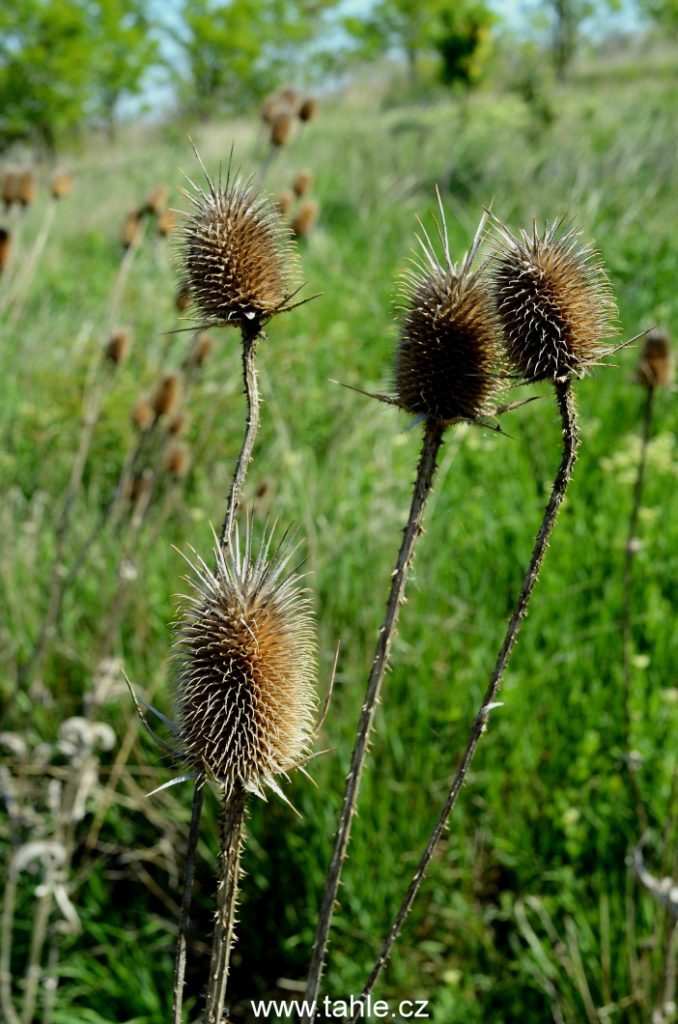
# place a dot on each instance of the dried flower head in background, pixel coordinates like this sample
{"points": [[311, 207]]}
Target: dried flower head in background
{"points": [[182, 299], [156, 200], [554, 302], [448, 362], [167, 395], [246, 659], [284, 201], [655, 367], [119, 345], [142, 414], [166, 222], [10, 188], [26, 188], [307, 109], [201, 349], [62, 184], [281, 128], [305, 218], [236, 255], [5, 248], [302, 182], [177, 459], [131, 229]]}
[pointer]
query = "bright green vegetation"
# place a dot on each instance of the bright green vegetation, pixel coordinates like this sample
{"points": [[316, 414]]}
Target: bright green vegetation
{"points": [[546, 815]]}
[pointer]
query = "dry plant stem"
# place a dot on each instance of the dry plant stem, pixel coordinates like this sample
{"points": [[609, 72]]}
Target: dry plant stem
{"points": [[39, 934], [433, 436], [9, 902], [249, 372], [29, 267], [124, 269], [629, 553], [567, 411], [184, 916], [229, 866]]}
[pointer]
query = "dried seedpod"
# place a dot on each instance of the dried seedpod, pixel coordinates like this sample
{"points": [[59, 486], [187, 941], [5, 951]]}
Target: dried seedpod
{"points": [[5, 248], [179, 423], [10, 188], [281, 128], [554, 301], [305, 218], [156, 200], [62, 184], [308, 109], [302, 182], [26, 188], [166, 222], [119, 345], [142, 414], [167, 395], [237, 257], [655, 367], [246, 660], [182, 299], [448, 361], [131, 229], [177, 459], [284, 201]]}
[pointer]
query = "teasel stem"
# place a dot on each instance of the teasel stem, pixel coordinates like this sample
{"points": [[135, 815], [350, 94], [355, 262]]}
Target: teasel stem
{"points": [[249, 373], [566, 407], [23, 283], [187, 890], [629, 554], [232, 823], [433, 436]]}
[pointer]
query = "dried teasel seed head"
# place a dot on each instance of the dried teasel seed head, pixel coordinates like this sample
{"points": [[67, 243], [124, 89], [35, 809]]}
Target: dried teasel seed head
{"points": [[140, 487], [177, 459], [167, 395], [305, 218], [26, 188], [179, 423], [182, 299], [270, 107], [166, 223], [10, 188], [131, 229], [284, 201], [656, 367], [62, 184], [448, 361], [237, 256], [119, 345], [5, 248], [308, 109], [201, 349], [554, 302], [290, 97], [246, 652], [156, 200], [142, 414], [302, 182], [281, 128]]}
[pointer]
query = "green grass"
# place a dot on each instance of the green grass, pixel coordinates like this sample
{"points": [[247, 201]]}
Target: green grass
{"points": [[546, 813]]}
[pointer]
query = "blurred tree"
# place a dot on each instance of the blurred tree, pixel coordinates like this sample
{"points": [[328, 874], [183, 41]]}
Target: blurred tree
{"points": [[464, 43], [665, 12], [566, 17]]}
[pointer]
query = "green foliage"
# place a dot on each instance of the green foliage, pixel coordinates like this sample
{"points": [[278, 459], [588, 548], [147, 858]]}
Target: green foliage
{"points": [[664, 12], [464, 43]]}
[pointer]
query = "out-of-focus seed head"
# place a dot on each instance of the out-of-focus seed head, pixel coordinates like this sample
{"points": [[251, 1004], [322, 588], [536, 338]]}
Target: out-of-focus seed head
{"points": [[284, 201], [182, 299], [140, 488], [554, 302], [237, 256], [305, 218], [142, 414], [448, 361], [26, 187], [10, 188], [166, 222], [167, 395], [656, 366], [281, 128], [156, 200], [308, 109], [62, 184], [5, 248], [246, 652], [201, 349], [179, 423], [131, 229], [302, 182], [177, 459], [119, 345]]}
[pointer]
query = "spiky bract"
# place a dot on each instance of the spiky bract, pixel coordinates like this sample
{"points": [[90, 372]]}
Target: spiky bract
{"points": [[554, 301], [246, 656], [236, 256], [447, 363]]}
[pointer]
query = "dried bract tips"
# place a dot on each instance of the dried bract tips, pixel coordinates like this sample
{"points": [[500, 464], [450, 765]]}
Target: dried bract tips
{"points": [[167, 395], [237, 256], [62, 184], [448, 362], [118, 346], [245, 652], [554, 302], [656, 368], [305, 218]]}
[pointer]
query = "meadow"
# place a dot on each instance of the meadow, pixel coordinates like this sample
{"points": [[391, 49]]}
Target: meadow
{"points": [[531, 910]]}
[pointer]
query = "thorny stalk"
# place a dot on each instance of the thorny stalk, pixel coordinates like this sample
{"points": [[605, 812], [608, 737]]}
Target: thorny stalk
{"points": [[184, 915]]}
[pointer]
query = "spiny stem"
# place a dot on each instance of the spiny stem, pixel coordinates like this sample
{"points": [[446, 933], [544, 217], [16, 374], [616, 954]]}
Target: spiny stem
{"points": [[433, 436], [629, 554], [231, 841], [249, 372], [567, 411], [186, 893]]}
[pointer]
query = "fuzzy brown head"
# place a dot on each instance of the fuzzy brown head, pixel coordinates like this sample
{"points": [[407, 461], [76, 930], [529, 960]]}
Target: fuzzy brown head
{"points": [[305, 218], [655, 368], [167, 395], [131, 229], [448, 361], [245, 649], [177, 459], [281, 128], [554, 302], [26, 187], [307, 109], [156, 200], [302, 182], [182, 299], [237, 256], [10, 188], [166, 222], [178, 423], [284, 201], [62, 184], [142, 414], [118, 346], [5, 248], [201, 349]]}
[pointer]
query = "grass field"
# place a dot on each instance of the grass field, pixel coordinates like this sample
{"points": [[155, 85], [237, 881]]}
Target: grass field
{"points": [[530, 911]]}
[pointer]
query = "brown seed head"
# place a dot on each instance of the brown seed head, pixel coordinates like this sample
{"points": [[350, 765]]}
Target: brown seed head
{"points": [[177, 459], [10, 188], [656, 367], [245, 650], [281, 128], [26, 187], [554, 302], [308, 109], [302, 182], [284, 201], [167, 395], [448, 361], [201, 349], [156, 200], [142, 414], [140, 488], [166, 222], [182, 299], [305, 218], [62, 184], [179, 423], [290, 97], [270, 107], [131, 229], [5, 248], [119, 345], [237, 256]]}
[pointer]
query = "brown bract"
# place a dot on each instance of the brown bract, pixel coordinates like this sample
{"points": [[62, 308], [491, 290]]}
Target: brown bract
{"points": [[236, 256], [246, 650], [554, 302], [656, 368]]}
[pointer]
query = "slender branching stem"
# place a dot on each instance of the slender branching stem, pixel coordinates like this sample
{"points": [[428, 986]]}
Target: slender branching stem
{"points": [[232, 822], [567, 411], [433, 436], [8, 909], [186, 893], [249, 373], [629, 553]]}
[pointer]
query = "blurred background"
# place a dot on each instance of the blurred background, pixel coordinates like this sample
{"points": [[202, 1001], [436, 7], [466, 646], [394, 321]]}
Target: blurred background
{"points": [[118, 442]]}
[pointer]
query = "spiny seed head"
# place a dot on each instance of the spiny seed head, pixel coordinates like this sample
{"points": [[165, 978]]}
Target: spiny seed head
{"points": [[167, 395], [142, 414], [448, 361], [307, 109], [62, 184], [305, 218], [246, 650], [131, 229], [554, 302], [655, 368], [118, 346], [237, 256], [302, 182], [281, 128], [5, 248]]}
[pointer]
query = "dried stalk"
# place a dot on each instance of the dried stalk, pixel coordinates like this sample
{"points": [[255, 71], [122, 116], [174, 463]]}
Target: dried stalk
{"points": [[249, 372], [566, 407], [187, 891], [433, 436]]}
